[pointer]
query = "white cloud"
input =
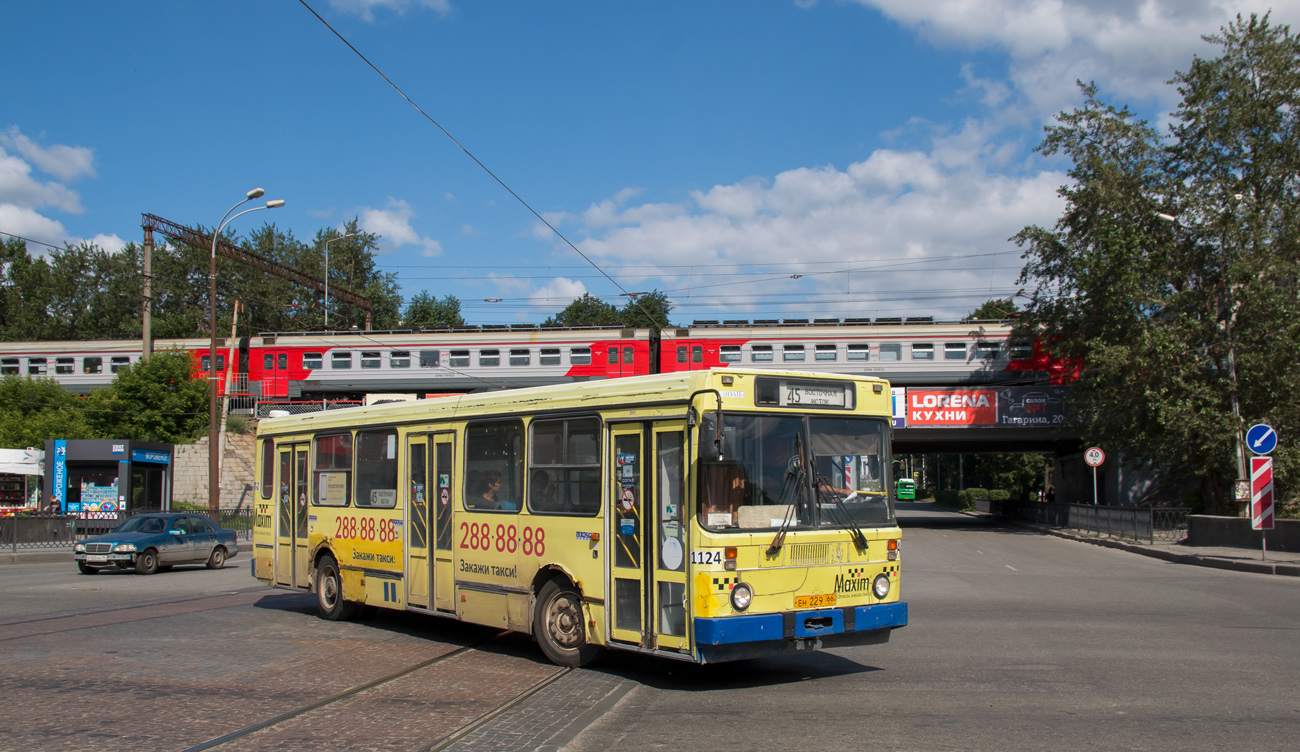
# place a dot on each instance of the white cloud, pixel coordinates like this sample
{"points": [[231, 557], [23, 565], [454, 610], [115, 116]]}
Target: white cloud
{"points": [[365, 9], [557, 293], [393, 225], [63, 162], [19, 188], [1130, 47], [110, 243]]}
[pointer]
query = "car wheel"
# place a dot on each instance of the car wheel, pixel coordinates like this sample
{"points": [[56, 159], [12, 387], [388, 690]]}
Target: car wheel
{"points": [[146, 562], [218, 558], [558, 625], [329, 593], [85, 569]]}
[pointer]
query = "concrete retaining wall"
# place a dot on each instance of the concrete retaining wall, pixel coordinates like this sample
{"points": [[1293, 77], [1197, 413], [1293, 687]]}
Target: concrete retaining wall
{"points": [[1207, 530], [190, 475]]}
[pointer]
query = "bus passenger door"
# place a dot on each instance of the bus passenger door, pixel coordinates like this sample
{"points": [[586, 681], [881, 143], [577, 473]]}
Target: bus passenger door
{"points": [[626, 518], [666, 584], [419, 574], [291, 500], [440, 478]]}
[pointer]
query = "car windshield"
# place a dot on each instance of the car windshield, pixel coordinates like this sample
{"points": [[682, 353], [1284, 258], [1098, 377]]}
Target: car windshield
{"points": [[781, 470], [142, 525]]}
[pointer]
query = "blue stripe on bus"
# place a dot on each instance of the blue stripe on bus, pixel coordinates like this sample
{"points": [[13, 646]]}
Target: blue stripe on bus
{"points": [[760, 627]]}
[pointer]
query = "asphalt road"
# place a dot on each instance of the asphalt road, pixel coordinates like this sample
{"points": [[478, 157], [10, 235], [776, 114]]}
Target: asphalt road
{"points": [[1017, 641]]}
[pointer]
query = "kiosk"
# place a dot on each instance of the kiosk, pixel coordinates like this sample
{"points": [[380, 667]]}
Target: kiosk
{"points": [[91, 477]]}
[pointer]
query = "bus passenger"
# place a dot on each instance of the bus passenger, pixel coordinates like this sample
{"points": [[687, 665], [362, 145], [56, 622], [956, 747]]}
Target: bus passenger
{"points": [[492, 487], [542, 491]]}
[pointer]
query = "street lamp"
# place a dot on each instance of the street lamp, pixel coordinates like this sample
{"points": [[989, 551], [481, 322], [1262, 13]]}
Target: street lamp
{"points": [[1242, 486], [214, 447], [327, 274]]}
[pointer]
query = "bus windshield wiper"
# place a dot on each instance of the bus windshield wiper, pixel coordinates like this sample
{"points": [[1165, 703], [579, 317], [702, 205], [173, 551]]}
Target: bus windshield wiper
{"points": [[842, 518], [794, 476]]}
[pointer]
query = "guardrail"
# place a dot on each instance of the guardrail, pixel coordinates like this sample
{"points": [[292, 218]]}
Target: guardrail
{"points": [[36, 531], [1135, 523]]}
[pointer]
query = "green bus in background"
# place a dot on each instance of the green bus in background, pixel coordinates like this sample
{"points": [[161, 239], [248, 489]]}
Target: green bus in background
{"points": [[906, 489]]}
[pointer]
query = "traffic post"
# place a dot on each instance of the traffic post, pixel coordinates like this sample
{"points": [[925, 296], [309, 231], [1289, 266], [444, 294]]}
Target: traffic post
{"points": [[1261, 499], [1094, 457]]}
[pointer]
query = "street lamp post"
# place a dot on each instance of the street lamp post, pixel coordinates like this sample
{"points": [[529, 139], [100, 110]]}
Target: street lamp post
{"points": [[327, 274], [1242, 485], [214, 457]]}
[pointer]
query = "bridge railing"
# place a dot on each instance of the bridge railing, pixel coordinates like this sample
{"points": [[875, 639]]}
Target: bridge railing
{"points": [[1148, 524], [58, 531]]}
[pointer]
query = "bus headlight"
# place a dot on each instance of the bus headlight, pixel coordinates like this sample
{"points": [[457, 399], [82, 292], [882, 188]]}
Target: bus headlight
{"points": [[881, 585], [741, 596]]}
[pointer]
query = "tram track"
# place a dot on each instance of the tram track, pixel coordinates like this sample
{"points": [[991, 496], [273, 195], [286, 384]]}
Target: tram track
{"points": [[47, 624], [284, 720]]}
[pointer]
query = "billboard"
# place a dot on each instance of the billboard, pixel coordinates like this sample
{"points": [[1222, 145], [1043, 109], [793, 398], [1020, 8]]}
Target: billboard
{"points": [[1014, 406]]}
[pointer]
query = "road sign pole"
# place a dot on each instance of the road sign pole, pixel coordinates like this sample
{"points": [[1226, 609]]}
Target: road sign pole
{"points": [[1094, 486]]}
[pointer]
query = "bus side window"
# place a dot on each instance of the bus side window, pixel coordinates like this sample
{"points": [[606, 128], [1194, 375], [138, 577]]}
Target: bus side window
{"points": [[494, 465]]}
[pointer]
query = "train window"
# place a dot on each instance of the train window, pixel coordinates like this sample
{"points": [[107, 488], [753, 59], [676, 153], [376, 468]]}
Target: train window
{"points": [[986, 350], [613, 355], [377, 468], [458, 358], [858, 352], [92, 365], [204, 363], [760, 353], [312, 361], [681, 354], [284, 361], [268, 468], [729, 354], [580, 356], [9, 367], [696, 354], [341, 360], [400, 359], [520, 357], [827, 352], [550, 356], [1022, 350], [954, 351], [221, 362], [119, 362], [489, 357], [494, 454], [429, 359], [891, 352], [268, 362], [922, 351], [370, 359], [36, 366], [333, 470], [64, 365], [792, 353], [564, 467]]}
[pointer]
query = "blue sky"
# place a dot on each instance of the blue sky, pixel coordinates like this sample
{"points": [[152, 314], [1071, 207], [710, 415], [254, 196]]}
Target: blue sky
{"points": [[758, 159]]}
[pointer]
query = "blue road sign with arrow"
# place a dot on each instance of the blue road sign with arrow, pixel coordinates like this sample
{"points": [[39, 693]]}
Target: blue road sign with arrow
{"points": [[1261, 439]]}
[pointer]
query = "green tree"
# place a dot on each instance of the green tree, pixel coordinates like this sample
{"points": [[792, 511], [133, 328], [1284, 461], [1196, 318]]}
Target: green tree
{"points": [[647, 311], [1167, 315], [155, 399], [996, 308], [33, 410], [424, 310], [587, 310]]}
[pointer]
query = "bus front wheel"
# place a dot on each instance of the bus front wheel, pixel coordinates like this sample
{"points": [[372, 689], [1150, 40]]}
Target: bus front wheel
{"points": [[558, 626], [329, 593]]}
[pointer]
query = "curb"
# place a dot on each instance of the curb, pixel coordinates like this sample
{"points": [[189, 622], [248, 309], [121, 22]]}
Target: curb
{"points": [[1256, 567], [43, 557]]}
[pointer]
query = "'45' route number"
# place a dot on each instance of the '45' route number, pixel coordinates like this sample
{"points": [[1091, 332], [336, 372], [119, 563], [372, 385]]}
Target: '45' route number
{"points": [[479, 536]]}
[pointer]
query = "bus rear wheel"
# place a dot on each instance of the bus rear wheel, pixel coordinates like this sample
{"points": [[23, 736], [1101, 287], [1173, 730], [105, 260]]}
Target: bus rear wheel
{"points": [[558, 626], [329, 593]]}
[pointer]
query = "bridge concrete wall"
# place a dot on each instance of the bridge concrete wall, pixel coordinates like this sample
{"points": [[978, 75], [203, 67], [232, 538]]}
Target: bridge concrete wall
{"points": [[190, 475], [1209, 530]]}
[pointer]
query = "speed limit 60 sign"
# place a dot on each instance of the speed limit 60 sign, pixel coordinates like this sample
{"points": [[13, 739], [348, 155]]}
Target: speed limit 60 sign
{"points": [[1094, 456]]}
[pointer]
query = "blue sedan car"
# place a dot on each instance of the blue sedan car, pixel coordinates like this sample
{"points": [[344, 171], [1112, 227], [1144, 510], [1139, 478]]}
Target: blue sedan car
{"points": [[157, 542]]}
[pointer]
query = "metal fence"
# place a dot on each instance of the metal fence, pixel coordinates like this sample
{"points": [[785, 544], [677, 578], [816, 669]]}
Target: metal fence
{"points": [[1148, 524], [54, 531], [299, 407]]}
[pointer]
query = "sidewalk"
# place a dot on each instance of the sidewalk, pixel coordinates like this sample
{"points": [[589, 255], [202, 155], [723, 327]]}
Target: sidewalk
{"points": [[51, 555], [1218, 557]]}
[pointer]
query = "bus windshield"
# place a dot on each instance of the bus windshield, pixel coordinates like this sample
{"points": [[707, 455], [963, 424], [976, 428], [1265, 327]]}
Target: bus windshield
{"points": [[794, 471]]}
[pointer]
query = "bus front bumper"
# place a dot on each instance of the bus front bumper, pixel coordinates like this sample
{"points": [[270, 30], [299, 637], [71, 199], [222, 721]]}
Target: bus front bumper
{"points": [[736, 637]]}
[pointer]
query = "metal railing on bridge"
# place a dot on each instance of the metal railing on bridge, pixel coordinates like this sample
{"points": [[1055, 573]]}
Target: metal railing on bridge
{"points": [[1148, 524], [55, 531]]}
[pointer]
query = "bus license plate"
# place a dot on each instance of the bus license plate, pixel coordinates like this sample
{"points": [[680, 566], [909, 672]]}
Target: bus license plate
{"points": [[814, 601]]}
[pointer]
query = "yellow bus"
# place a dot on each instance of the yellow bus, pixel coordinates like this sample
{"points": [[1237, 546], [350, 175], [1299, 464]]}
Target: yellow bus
{"points": [[704, 516]]}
